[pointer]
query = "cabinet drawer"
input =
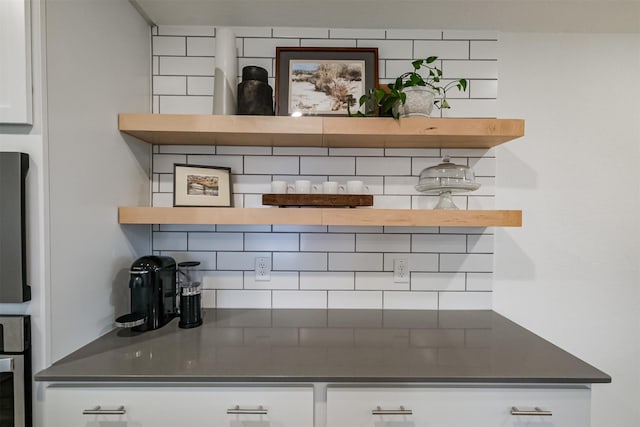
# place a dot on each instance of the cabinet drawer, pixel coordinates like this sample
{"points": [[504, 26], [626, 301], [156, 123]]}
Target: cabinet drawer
{"points": [[178, 406], [434, 406]]}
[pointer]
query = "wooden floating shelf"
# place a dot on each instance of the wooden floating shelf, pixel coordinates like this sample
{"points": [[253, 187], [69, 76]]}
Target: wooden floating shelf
{"points": [[376, 132], [321, 216]]}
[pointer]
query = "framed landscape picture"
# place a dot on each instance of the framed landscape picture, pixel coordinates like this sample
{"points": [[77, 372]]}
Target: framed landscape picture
{"points": [[323, 81], [201, 186]]}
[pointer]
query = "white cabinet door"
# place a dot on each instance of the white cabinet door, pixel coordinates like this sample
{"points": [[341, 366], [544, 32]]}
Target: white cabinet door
{"points": [[178, 406], [15, 60], [456, 406]]}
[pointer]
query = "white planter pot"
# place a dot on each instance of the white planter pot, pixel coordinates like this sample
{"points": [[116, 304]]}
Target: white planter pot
{"points": [[419, 102]]}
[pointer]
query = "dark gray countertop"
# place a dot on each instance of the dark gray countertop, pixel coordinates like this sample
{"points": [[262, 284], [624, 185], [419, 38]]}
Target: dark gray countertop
{"points": [[328, 346]]}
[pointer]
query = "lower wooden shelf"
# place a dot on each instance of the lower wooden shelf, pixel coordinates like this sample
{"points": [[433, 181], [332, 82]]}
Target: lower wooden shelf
{"points": [[321, 216]]}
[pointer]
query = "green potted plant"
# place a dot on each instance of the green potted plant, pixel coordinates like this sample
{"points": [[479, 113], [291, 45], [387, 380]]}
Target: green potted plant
{"points": [[411, 94]]}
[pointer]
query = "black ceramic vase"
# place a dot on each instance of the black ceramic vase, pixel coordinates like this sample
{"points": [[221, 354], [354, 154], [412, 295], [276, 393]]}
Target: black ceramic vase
{"points": [[255, 96]]}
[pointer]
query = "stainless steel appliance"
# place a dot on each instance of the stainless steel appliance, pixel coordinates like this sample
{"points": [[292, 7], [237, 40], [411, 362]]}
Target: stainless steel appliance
{"points": [[13, 252], [153, 294], [15, 371]]}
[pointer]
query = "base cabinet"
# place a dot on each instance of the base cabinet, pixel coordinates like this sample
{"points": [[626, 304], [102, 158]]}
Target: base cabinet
{"points": [[177, 406], [466, 406]]}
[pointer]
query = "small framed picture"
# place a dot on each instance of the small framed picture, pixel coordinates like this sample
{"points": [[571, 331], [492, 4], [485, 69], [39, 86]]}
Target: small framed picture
{"points": [[323, 81], [201, 186]]}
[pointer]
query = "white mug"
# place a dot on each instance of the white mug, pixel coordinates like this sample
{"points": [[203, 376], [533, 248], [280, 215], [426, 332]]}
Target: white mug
{"points": [[279, 187], [301, 186], [354, 187], [330, 187]]}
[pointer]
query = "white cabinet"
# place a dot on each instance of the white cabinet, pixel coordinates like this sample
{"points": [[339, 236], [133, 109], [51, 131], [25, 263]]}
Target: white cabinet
{"points": [[15, 57], [178, 406], [457, 406]]}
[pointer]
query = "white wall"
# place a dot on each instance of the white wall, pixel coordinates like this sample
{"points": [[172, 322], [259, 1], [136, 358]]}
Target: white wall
{"points": [[98, 64], [571, 272]]}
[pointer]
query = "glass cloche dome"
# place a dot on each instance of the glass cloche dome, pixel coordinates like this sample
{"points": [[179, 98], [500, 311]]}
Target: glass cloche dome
{"points": [[444, 179]]}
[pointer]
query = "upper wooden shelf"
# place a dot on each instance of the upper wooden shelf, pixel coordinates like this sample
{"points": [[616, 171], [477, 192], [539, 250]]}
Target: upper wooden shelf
{"points": [[321, 216], [184, 129]]}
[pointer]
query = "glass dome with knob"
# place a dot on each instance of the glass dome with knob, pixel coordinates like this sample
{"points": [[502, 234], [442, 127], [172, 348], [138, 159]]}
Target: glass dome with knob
{"points": [[444, 179]]}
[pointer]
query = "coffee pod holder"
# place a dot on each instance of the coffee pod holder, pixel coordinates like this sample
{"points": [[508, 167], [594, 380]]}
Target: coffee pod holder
{"points": [[190, 285]]}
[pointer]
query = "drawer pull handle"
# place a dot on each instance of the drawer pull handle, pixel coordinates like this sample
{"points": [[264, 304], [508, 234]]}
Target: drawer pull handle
{"points": [[401, 411], [237, 410], [530, 412], [99, 411]]}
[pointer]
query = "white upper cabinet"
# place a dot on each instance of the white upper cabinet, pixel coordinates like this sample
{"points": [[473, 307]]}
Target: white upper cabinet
{"points": [[15, 62]]}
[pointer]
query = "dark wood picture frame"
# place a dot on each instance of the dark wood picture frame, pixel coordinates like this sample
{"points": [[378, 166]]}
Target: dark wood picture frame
{"points": [[363, 60], [202, 186]]}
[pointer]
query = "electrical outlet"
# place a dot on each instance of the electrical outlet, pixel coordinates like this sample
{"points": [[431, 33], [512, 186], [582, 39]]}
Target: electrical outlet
{"points": [[400, 270], [263, 269]]}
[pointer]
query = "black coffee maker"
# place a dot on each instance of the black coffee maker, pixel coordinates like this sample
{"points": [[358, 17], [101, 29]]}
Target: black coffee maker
{"points": [[153, 294]]}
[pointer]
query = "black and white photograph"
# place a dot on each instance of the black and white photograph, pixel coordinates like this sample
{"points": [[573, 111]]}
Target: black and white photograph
{"points": [[202, 186]]}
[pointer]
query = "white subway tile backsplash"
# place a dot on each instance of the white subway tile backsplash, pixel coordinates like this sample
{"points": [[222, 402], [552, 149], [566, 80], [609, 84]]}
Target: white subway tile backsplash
{"points": [[383, 242], [300, 151], [351, 33], [439, 243], [186, 149], [320, 266], [383, 166], [355, 299], [331, 280], [170, 85], [443, 49], [467, 262], [356, 151], [271, 164], [469, 35], [481, 49], [327, 165], [404, 300], [163, 163], [301, 32], [174, 46], [208, 298], [300, 261], [239, 260], [480, 243], [215, 242], [392, 202], [481, 202], [185, 105], [411, 34], [327, 43], [372, 281], [243, 299], [416, 262], [483, 89], [479, 282], [400, 185], [470, 69], [327, 242], [186, 66], [390, 49], [300, 299], [342, 261], [168, 241], [279, 280], [438, 282], [266, 48], [200, 86], [271, 242], [162, 200], [201, 46], [483, 166], [222, 280], [186, 30], [465, 301], [478, 108]]}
